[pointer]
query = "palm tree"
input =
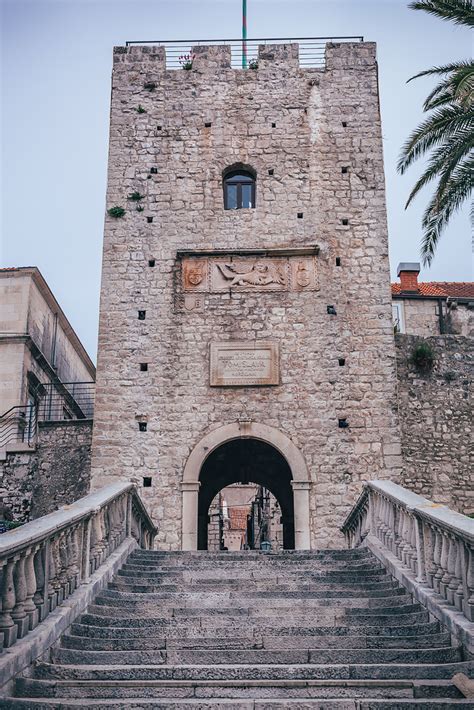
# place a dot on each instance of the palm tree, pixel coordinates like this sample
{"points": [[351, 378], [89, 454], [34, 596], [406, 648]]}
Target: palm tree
{"points": [[447, 134]]}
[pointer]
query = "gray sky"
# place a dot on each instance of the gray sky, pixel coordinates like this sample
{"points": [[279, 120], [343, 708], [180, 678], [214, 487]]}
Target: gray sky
{"points": [[56, 64]]}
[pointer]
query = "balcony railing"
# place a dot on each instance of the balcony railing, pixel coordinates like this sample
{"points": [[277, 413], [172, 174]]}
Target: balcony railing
{"points": [[65, 400], [51, 402], [311, 49]]}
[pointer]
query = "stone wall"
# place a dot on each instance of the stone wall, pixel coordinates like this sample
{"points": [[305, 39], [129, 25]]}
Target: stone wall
{"points": [[436, 421], [313, 137], [421, 317], [53, 474]]}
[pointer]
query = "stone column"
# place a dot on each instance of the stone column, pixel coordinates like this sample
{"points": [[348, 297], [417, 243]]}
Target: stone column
{"points": [[301, 506], [190, 491]]}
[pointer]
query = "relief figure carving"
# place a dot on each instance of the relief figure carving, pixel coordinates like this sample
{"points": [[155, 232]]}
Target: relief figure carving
{"points": [[260, 273]]}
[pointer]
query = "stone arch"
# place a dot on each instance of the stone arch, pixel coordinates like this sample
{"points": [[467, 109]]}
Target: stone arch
{"points": [[245, 430]]}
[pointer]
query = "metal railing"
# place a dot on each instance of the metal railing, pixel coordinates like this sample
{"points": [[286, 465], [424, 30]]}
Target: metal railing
{"points": [[65, 400], [19, 424], [311, 49], [53, 402], [45, 561]]}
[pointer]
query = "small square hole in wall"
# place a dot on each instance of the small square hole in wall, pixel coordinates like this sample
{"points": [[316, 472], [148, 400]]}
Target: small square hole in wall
{"points": [[344, 124], [343, 423], [344, 170], [274, 125], [300, 215], [345, 222], [271, 171], [331, 310], [208, 124], [158, 128], [338, 261], [149, 220], [154, 171], [143, 367], [151, 262], [342, 361], [141, 315], [142, 426], [146, 482]]}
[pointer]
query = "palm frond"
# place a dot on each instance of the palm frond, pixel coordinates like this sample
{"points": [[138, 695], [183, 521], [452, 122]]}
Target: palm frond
{"points": [[460, 12], [443, 123], [444, 69], [443, 162], [442, 207]]}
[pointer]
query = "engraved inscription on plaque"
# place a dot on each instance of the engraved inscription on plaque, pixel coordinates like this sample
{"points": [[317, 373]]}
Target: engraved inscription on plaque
{"points": [[235, 363]]}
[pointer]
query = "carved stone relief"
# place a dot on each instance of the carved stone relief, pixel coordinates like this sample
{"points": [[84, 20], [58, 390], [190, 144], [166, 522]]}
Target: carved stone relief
{"points": [[215, 274]]}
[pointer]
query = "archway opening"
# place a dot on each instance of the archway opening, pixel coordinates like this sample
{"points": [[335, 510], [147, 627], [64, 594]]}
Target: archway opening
{"points": [[246, 461]]}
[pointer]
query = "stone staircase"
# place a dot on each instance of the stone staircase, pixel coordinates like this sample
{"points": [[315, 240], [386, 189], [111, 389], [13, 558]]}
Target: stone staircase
{"points": [[250, 630]]}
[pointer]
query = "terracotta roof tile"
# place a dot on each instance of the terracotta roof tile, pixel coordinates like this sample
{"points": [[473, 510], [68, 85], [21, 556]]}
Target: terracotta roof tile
{"points": [[444, 289]]}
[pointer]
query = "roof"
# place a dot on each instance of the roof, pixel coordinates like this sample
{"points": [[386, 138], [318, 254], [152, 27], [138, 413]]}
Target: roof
{"points": [[50, 299], [442, 289]]}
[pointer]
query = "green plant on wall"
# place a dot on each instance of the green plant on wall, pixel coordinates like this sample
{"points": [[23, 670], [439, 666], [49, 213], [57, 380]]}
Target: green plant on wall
{"points": [[140, 208], [140, 109], [116, 212], [423, 356], [135, 196]]}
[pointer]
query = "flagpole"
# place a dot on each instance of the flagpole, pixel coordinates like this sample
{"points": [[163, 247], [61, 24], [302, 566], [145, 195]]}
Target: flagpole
{"points": [[244, 34]]}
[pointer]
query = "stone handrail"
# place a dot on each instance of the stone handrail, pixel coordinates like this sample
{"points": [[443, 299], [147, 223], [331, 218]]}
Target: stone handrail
{"points": [[43, 562], [436, 543]]}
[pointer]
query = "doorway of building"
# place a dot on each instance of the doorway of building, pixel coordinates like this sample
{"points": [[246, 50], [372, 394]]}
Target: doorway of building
{"points": [[247, 461]]}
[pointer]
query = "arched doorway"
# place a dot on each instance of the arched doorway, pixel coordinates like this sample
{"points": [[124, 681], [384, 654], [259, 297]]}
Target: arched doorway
{"points": [[246, 461], [245, 431]]}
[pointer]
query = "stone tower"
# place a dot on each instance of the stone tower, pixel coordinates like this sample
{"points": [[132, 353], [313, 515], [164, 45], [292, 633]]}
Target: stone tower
{"points": [[253, 344]]}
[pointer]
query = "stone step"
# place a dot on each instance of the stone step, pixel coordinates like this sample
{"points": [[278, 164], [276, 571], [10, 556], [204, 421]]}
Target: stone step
{"points": [[337, 575], [173, 629], [255, 704], [411, 671], [266, 568], [114, 597], [254, 586], [237, 689], [207, 657], [274, 616], [234, 556], [249, 642]]}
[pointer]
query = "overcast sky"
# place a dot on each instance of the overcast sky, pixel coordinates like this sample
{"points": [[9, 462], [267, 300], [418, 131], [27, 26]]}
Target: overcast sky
{"points": [[56, 65]]}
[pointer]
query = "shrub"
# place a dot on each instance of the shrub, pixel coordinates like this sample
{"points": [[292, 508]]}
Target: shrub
{"points": [[423, 356], [135, 196], [116, 212]]}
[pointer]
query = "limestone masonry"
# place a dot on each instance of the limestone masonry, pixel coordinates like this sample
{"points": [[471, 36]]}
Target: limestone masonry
{"points": [[304, 271]]}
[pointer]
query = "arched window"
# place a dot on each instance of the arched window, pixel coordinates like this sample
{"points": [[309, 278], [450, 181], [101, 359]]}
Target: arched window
{"points": [[239, 190]]}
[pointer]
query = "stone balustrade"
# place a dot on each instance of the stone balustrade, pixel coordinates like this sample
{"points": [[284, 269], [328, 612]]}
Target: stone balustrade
{"points": [[434, 542], [43, 562]]}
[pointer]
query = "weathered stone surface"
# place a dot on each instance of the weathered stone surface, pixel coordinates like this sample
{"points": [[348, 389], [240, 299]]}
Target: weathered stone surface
{"points": [[436, 421], [324, 120], [55, 473]]}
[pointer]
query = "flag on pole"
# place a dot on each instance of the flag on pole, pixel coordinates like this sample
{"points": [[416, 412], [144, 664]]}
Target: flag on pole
{"points": [[244, 34]]}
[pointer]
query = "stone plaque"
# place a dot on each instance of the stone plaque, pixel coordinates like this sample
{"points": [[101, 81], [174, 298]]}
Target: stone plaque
{"points": [[244, 363]]}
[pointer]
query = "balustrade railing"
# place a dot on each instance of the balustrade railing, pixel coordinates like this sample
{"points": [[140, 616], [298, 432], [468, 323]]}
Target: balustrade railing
{"points": [[43, 562], [434, 542]]}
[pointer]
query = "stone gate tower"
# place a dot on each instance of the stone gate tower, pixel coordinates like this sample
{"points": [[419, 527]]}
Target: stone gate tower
{"points": [[245, 326]]}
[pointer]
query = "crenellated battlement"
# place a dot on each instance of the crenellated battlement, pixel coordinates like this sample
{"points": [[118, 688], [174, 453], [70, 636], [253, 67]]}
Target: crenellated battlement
{"points": [[288, 55]]}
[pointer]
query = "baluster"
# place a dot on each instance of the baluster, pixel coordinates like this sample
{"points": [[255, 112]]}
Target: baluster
{"points": [[446, 578], [420, 550], [73, 569], [95, 542], [437, 560], [412, 542], [430, 541], [401, 543], [454, 581], [39, 597], [30, 606], [7, 625], [459, 569], [469, 582], [54, 570], [19, 614], [396, 530]]}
